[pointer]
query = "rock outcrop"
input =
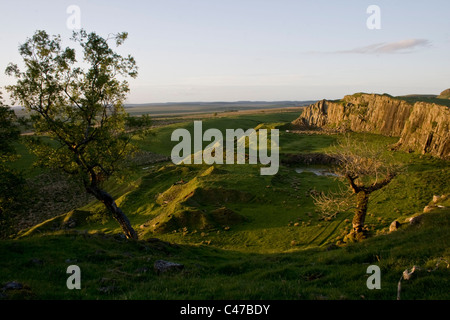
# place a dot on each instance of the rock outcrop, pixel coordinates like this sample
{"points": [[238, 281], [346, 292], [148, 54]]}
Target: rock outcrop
{"points": [[444, 94], [422, 127]]}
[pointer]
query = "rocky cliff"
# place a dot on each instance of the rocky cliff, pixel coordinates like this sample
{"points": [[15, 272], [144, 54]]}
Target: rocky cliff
{"points": [[422, 127], [445, 94]]}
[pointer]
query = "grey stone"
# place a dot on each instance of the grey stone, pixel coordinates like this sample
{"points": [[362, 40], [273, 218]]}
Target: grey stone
{"points": [[13, 285], [415, 220], [161, 266]]}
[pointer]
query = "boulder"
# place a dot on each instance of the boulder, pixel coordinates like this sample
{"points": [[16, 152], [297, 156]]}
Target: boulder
{"points": [[415, 220], [394, 226], [436, 198]]}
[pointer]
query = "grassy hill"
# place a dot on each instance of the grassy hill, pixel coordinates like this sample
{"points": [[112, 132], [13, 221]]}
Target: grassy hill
{"points": [[240, 235]]}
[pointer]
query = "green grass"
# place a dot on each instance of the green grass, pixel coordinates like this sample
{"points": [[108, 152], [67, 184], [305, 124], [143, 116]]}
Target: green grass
{"points": [[26, 158], [413, 99], [282, 249], [160, 142], [116, 269]]}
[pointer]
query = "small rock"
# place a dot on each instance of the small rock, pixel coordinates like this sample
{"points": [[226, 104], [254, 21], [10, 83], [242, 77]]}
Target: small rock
{"points": [[428, 209], [394, 226], [415, 220], [161, 266], [13, 285], [436, 198]]}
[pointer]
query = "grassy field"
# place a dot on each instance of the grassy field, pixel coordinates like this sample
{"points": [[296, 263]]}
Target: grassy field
{"points": [[240, 235]]}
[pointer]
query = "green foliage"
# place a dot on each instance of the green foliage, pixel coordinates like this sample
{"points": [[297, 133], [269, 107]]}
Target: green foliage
{"points": [[9, 132], [81, 109]]}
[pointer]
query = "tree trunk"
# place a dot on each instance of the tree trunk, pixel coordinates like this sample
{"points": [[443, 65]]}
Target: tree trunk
{"points": [[358, 233], [116, 212], [362, 200]]}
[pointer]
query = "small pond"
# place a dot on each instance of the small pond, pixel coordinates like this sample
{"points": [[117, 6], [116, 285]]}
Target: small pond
{"points": [[317, 171]]}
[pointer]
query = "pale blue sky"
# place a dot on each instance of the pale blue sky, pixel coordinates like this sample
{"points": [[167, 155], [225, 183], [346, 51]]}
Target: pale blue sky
{"points": [[229, 50]]}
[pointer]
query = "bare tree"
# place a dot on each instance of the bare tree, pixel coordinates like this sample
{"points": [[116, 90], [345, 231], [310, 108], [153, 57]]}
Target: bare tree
{"points": [[365, 169]]}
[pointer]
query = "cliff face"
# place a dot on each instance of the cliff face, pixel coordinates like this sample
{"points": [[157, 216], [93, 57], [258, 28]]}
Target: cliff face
{"points": [[422, 127], [445, 94]]}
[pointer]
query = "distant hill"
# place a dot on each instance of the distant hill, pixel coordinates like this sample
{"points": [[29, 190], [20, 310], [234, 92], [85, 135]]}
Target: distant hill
{"points": [[183, 108]]}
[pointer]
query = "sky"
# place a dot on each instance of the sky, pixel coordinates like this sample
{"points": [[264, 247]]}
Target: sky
{"points": [[258, 50]]}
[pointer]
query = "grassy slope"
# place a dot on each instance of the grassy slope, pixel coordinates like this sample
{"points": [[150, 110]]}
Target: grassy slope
{"points": [[117, 269], [266, 256]]}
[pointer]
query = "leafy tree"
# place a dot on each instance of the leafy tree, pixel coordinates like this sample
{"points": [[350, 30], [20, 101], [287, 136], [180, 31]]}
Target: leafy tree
{"points": [[365, 169], [80, 105]]}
